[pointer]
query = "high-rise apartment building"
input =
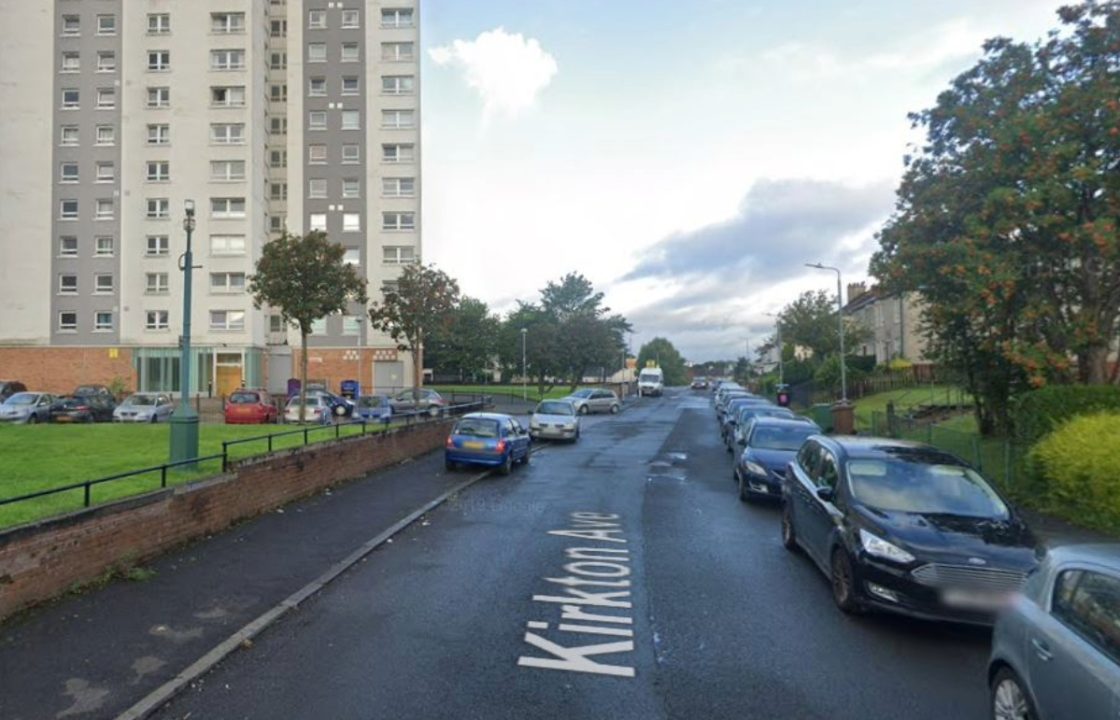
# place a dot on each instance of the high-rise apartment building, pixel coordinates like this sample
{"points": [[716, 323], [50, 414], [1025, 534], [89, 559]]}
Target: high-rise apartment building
{"points": [[270, 115]]}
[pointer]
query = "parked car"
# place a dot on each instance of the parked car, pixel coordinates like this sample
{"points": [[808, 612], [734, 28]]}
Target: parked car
{"points": [[771, 443], [591, 400], [374, 407], [1056, 651], [725, 399], [9, 388], [319, 409], [339, 406], [99, 399], [700, 383], [734, 437], [145, 407], [418, 400], [72, 409], [554, 420], [27, 407], [729, 419], [250, 407], [487, 439], [904, 527]]}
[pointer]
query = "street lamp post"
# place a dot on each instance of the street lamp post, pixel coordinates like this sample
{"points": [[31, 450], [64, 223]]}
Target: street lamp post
{"points": [[184, 421], [524, 377], [781, 360], [840, 315]]}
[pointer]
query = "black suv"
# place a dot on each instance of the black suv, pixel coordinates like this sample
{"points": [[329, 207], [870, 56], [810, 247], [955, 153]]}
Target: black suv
{"points": [[99, 399], [904, 527]]}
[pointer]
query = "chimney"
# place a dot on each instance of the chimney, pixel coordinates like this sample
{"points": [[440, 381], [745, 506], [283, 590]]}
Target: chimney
{"points": [[855, 290]]}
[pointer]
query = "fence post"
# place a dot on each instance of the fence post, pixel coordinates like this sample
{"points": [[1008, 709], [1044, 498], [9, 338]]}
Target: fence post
{"points": [[270, 442], [163, 476], [1007, 465], [976, 453], [337, 430], [305, 436], [87, 494]]}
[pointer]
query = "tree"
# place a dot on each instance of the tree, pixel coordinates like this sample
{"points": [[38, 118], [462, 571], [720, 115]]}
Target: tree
{"points": [[540, 343], [305, 278], [467, 344], [662, 354], [422, 301], [810, 322]]}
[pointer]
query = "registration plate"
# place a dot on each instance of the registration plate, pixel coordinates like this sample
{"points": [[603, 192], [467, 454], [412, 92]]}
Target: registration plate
{"points": [[63, 418], [474, 445], [975, 600]]}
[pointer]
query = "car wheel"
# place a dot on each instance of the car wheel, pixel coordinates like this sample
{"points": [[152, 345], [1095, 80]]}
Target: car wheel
{"points": [[844, 582], [525, 460], [433, 411], [155, 419], [507, 466], [615, 409], [745, 493], [789, 539], [582, 409], [1009, 700], [32, 419], [450, 465]]}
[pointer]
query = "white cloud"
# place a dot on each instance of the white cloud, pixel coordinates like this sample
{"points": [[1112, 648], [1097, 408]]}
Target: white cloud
{"points": [[508, 71]]}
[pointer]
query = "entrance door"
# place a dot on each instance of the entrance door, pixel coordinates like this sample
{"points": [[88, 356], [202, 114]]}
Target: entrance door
{"points": [[229, 379], [388, 377]]}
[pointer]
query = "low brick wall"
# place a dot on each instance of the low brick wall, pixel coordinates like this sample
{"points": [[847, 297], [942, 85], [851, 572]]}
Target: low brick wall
{"points": [[41, 560]]}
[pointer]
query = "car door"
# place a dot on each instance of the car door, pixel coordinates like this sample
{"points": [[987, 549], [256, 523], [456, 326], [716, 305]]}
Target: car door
{"points": [[519, 436], [819, 512], [1074, 652], [799, 495], [42, 408]]}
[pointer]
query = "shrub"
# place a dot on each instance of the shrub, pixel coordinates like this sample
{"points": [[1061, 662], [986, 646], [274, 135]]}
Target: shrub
{"points": [[1037, 413], [1076, 468]]}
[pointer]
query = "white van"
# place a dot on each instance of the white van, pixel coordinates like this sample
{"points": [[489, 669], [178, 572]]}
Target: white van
{"points": [[651, 381]]}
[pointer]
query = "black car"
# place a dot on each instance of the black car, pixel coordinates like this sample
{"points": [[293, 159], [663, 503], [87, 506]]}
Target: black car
{"points": [[699, 383], [737, 423], [9, 388], [906, 528], [771, 443], [99, 399], [730, 417], [72, 409]]}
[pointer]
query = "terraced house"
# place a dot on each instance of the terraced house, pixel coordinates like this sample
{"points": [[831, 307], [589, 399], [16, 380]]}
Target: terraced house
{"points": [[268, 115]]}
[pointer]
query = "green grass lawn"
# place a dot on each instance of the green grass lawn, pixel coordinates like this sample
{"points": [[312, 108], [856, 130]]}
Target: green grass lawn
{"points": [[40, 457], [904, 399], [514, 391]]}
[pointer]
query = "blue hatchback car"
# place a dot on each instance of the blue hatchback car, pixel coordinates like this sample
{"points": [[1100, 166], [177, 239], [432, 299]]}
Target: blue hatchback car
{"points": [[487, 439]]}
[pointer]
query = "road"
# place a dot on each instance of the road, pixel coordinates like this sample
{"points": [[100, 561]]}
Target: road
{"points": [[616, 578]]}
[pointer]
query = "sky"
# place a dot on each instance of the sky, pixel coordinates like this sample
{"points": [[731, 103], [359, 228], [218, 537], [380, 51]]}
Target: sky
{"points": [[689, 158]]}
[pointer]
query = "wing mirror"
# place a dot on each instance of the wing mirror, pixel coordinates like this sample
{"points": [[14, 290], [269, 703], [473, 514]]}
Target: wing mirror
{"points": [[826, 493]]}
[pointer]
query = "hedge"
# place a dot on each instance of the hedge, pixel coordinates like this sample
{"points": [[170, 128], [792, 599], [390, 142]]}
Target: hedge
{"points": [[1076, 470], [1037, 413]]}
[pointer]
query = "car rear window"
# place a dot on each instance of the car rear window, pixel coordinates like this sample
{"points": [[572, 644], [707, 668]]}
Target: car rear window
{"points": [[477, 427], [244, 398], [371, 401]]}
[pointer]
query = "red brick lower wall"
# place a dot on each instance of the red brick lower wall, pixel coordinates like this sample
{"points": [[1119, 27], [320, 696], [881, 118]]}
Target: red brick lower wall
{"points": [[61, 369], [333, 365], [41, 560]]}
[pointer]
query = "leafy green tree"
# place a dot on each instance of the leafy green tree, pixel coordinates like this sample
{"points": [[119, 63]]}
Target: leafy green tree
{"points": [[423, 300], [305, 278], [662, 354], [468, 343], [742, 372], [541, 344], [810, 322]]}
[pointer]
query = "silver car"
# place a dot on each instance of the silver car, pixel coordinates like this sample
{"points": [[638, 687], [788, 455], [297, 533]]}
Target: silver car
{"points": [[1056, 650], [554, 420], [144, 407], [592, 401], [27, 407]]}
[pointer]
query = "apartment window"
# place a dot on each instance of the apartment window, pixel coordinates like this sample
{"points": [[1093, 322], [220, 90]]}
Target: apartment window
{"points": [[317, 120], [396, 18], [159, 134], [68, 246], [227, 23], [103, 283], [71, 25], [397, 51], [159, 97], [106, 135], [398, 254], [67, 321], [398, 119], [227, 319], [316, 154], [317, 87], [278, 125], [351, 325], [227, 133], [277, 222], [227, 207], [317, 188], [350, 85], [156, 320], [227, 59], [316, 19], [103, 246], [71, 62], [278, 158], [68, 172], [398, 153], [279, 191], [398, 84], [106, 61], [156, 283], [158, 208], [227, 282], [106, 98], [106, 24], [350, 52], [351, 154], [159, 171], [159, 60], [228, 96], [159, 23], [103, 210], [102, 321], [68, 210], [318, 327], [317, 52], [71, 99], [278, 28], [279, 93], [351, 222], [317, 221], [69, 135], [158, 246], [398, 221], [276, 323], [106, 172], [227, 244], [352, 256], [351, 188], [68, 284], [278, 61], [350, 19], [351, 120], [227, 170], [398, 187]]}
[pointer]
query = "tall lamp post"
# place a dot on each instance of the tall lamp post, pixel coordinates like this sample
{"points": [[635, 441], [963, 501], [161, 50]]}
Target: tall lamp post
{"points": [[524, 377], [184, 421], [840, 315], [781, 360]]}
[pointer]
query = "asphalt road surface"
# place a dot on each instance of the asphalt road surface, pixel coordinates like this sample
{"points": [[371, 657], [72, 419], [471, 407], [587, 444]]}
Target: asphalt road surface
{"points": [[619, 577]]}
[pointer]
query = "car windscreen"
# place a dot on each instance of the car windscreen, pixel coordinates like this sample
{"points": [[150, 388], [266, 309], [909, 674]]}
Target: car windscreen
{"points": [[22, 399], [650, 377], [554, 408], [773, 437], [477, 427], [926, 488], [244, 398], [371, 401], [581, 394], [87, 390], [749, 411], [312, 401], [140, 400]]}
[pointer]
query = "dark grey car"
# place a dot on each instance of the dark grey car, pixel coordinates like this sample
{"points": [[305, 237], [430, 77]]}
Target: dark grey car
{"points": [[1056, 650]]}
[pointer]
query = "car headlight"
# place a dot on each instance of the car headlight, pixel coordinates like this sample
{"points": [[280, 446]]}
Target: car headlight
{"points": [[877, 546], [754, 468], [534, 424]]}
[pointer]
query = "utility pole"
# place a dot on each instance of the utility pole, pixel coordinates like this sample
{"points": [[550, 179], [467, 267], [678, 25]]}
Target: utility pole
{"points": [[524, 377], [184, 421], [781, 360], [840, 315]]}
